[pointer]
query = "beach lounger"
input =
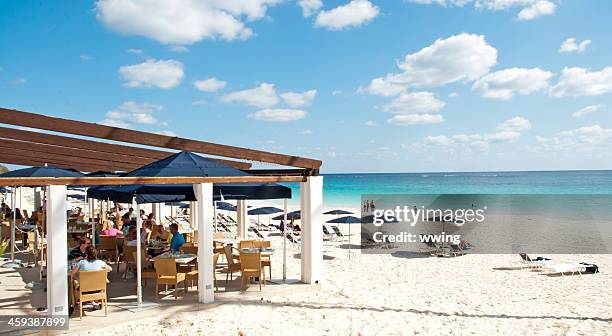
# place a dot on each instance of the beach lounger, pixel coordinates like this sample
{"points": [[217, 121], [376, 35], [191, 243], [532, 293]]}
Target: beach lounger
{"points": [[222, 225], [257, 233], [456, 250], [337, 231], [572, 268], [529, 262], [326, 234]]}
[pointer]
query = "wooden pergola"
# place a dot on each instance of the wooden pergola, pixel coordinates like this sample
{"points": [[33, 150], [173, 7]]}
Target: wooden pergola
{"points": [[125, 152]]}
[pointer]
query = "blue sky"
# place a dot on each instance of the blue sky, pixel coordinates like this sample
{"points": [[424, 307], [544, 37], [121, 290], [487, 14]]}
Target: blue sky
{"points": [[365, 86]]}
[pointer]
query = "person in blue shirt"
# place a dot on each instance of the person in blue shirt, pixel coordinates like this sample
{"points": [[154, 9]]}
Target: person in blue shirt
{"points": [[177, 239]]}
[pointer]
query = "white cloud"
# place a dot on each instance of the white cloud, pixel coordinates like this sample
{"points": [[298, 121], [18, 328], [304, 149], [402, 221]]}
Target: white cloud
{"points": [[504, 84], [19, 81], [536, 10], [587, 110], [453, 95], [414, 103], [85, 57], [503, 136], [382, 87], [182, 22], [506, 132], [179, 49], [584, 138], [583, 82], [134, 51], [209, 85], [353, 14], [516, 124], [414, 119], [278, 115], [310, 7], [570, 45], [130, 112], [445, 3], [294, 99], [262, 96], [164, 74], [370, 123], [530, 9], [306, 132], [463, 57]]}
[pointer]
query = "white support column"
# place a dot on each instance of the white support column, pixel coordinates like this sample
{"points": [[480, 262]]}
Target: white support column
{"points": [[156, 212], [311, 200], [241, 214], [57, 267], [136, 207], [204, 194], [37, 198]]}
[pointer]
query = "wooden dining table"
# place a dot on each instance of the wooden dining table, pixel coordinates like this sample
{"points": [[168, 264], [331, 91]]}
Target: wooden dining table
{"points": [[182, 258]]}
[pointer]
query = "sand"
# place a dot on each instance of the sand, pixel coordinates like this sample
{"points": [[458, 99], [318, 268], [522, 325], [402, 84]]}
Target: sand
{"points": [[404, 295]]}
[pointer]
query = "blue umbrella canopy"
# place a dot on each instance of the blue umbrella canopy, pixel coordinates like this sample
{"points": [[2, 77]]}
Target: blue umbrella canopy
{"points": [[42, 172], [3, 190], [346, 220], [297, 214], [264, 211], [188, 164], [226, 206], [338, 212], [184, 206]]}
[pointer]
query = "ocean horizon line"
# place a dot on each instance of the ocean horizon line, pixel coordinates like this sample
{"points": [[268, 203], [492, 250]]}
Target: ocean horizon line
{"points": [[471, 172]]}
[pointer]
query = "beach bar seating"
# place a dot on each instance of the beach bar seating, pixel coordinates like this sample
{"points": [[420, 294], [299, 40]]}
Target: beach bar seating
{"points": [[62, 143], [92, 287]]}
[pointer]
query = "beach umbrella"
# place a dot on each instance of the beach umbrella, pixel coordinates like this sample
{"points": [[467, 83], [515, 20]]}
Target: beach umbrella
{"points": [[290, 215], [264, 211], [347, 220], [33, 172], [226, 206], [184, 206], [338, 212]]}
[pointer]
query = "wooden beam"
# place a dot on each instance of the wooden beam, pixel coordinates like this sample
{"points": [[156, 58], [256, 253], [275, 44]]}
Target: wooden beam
{"points": [[26, 119], [105, 148], [62, 154], [35, 162], [40, 181]]}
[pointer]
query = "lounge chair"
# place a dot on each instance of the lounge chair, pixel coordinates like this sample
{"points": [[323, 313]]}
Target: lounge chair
{"points": [[326, 233], [529, 262], [337, 231], [257, 233], [572, 268]]}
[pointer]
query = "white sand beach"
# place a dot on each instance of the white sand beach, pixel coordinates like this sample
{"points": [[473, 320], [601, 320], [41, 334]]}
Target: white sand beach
{"points": [[407, 295]]}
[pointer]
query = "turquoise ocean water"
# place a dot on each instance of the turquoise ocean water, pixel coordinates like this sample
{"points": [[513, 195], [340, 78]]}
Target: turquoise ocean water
{"points": [[346, 189]]}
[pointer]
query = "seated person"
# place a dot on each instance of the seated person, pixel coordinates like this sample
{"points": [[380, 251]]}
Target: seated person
{"points": [[177, 239], [111, 231], [89, 263], [144, 232], [161, 234], [131, 236], [78, 253]]}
